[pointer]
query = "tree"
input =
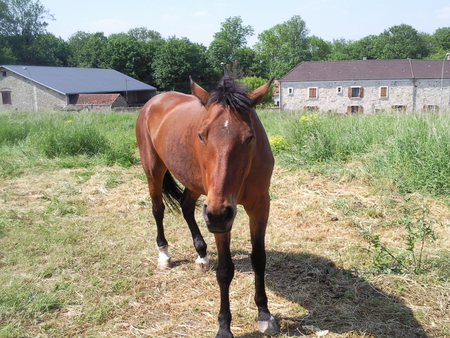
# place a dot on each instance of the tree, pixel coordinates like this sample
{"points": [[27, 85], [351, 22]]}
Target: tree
{"points": [[401, 42], [283, 46], [363, 48], [319, 49], [87, 49], [21, 22], [253, 82], [48, 50], [142, 34], [339, 50], [227, 42], [123, 53], [176, 60], [23, 18], [440, 43]]}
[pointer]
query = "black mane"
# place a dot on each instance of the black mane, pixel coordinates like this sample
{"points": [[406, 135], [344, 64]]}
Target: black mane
{"points": [[229, 93]]}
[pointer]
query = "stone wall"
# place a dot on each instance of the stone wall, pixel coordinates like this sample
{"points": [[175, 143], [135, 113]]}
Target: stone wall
{"points": [[406, 95], [27, 95]]}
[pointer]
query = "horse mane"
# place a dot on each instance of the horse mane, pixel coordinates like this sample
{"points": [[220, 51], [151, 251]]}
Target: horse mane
{"points": [[229, 93]]}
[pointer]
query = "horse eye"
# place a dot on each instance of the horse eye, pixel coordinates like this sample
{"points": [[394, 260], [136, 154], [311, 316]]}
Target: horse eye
{"points": [[200, 136], [249, 139]]}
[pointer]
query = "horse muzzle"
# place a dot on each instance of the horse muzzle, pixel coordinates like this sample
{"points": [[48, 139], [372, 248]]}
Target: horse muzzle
{"points": [[219, 222]]}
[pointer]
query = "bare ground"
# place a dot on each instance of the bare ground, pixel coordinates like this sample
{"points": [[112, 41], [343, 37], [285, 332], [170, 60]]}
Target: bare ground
{"points": [[85, 239]]}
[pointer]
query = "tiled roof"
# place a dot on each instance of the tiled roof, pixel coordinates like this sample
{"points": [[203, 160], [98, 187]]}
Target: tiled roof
{"points": [[97, 99], [368, 70], [67, 80]]}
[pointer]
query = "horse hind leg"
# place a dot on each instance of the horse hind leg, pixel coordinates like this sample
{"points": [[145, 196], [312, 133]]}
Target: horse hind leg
{"points": [[188, 205]]}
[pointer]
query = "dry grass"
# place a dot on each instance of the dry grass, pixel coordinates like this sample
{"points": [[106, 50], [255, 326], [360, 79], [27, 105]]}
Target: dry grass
{"points": [[78, 259]]}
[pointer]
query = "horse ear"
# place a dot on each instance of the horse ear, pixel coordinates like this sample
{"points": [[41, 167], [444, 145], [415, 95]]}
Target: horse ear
{"points": [[257, 95], [199, 92]]}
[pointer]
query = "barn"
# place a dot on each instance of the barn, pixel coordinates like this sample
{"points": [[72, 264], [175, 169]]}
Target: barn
{"points": [[38, 88], [367, 86]]}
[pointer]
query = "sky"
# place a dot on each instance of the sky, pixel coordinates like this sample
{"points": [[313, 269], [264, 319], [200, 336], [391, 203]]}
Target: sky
{"points": [[198, 20]]}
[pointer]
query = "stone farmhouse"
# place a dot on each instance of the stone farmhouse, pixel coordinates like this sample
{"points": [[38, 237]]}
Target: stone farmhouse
{"points": [[367, 86], [39, 88]]}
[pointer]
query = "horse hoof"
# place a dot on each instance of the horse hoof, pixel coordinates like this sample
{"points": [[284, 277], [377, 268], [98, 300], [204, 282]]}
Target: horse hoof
{"points": [[269, 327], [164, 264], [202, 264]]}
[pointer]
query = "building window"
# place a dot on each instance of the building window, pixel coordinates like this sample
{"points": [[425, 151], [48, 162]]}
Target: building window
{"points": [[311, 108], [384, 92], [355, 92], [399, 107], [4, 74], [354, 109], [431, 107], [339, 90], [313, 92], [6, 97], [291, 90]]}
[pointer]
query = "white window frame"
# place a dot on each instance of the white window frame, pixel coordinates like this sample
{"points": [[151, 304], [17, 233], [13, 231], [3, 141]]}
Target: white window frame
{"points": [[387, 92], [339, 90], [313, 97], [290, 90]]}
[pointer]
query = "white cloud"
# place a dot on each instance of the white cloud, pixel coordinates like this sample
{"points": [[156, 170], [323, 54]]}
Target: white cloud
{"points": [[444, 13], [170, 18], [201, 14]]}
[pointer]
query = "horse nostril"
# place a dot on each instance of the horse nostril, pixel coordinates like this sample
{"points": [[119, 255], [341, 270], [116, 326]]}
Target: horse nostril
{"points": [[225, 216], [228, 214]]}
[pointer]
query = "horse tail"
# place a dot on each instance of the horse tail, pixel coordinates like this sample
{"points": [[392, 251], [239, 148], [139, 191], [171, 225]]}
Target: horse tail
{"points": [[171, 192]]}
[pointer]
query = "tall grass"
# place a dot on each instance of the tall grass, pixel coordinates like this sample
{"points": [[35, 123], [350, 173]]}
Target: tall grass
{"points": [[412, 150], [29, 141]]}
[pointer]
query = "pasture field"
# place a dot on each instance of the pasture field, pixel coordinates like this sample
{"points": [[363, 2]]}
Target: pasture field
{"points": [[357, 243]]}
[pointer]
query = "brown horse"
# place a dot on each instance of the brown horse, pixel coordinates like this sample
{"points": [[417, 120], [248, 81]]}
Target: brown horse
{"points": [[215, 145]]}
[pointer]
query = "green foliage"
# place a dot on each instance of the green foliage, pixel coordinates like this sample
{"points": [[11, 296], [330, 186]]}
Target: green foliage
{"points": [[418, 231], [254, 82], [400, 42], [228, 42], [176, 60], [87, 50], [283, 46]]}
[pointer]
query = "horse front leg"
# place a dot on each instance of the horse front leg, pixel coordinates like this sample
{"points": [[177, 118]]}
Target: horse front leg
{"points": [[258, 222], [188, 204], [224, 275]]}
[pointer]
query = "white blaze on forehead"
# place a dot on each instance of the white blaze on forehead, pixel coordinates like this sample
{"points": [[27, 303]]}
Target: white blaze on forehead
{"points": [[226, 124]]}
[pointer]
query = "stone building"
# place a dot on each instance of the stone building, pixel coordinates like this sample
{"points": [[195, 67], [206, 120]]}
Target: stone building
{"points": [[367, 86], [36, 88]]}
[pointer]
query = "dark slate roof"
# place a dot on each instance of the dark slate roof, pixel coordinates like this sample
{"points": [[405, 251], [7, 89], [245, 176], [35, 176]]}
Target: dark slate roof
{"points": [[80, 80], [368, 70]]}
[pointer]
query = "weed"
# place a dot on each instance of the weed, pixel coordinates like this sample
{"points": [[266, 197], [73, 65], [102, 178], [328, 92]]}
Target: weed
{"points": [[419, 231]]}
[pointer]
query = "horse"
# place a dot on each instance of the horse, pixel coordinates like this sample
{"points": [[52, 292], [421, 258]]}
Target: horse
{"points": [[214, 144]]}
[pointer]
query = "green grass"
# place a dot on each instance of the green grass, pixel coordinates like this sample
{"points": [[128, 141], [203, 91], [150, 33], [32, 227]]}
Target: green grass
{"points": [[77, 251], [30, 142], [411, 150]]}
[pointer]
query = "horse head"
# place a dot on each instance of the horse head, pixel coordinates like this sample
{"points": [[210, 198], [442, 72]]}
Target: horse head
{"points": [[226, 144]]}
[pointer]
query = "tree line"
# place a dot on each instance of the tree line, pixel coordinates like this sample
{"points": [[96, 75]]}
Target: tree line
{"points": [[167, 62]]}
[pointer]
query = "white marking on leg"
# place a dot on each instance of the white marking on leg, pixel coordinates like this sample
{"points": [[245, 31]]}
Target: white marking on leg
{"points": [[163, 258], [226, 124], [202, 264]]}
